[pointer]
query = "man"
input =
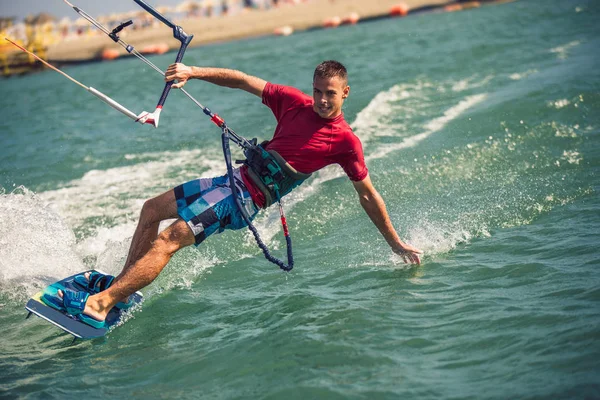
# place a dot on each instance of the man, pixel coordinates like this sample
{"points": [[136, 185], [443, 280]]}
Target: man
{"points": [[310, 134]]}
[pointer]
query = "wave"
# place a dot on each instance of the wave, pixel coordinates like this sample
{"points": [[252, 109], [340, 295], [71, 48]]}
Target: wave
{"points": [[36, 244], [38, 247], [431, 127], [118, 193], [563, 51], [403, 108], [88, 222]]}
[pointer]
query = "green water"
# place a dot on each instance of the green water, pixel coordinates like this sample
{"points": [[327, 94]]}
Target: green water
{"points": [[481, 131]]}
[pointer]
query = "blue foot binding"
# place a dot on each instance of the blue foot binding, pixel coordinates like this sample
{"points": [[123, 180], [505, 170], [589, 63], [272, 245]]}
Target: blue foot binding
{"points": [[72, 303], [97, 282]]}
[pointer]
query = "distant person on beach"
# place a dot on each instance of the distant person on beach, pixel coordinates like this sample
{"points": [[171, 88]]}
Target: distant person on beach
{"points": [[311, 133], [224, 7]]}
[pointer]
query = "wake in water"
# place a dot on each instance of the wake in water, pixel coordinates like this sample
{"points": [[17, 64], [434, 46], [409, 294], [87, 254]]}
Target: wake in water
{"points": [[36, 245]]}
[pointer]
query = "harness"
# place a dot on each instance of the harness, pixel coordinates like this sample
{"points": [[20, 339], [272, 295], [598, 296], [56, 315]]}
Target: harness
{"points": [[271, 174]]}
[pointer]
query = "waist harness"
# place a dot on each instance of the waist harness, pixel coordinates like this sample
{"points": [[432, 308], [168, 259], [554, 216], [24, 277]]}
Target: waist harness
{"points": [[271, 174]]}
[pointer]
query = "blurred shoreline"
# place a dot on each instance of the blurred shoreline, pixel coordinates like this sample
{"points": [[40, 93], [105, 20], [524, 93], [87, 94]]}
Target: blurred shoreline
{"points": [[283, 20]]}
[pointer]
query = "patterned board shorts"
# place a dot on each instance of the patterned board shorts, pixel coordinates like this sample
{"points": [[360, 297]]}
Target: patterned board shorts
{"points": [[208, 206]]}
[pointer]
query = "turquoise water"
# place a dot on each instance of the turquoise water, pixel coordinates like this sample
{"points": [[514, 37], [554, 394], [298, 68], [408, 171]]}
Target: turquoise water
{"points": [[481, 131]]}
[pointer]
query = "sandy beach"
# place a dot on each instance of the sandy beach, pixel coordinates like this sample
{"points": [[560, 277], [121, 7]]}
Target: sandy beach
{"points": [[223, 28]]}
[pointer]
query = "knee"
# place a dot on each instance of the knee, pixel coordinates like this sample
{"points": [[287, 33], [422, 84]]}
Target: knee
{"points": [[150, 212], [159, 208], [175, 237]]}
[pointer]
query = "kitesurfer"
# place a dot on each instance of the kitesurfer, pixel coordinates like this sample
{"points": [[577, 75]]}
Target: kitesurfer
{"points": [[311, 133]]}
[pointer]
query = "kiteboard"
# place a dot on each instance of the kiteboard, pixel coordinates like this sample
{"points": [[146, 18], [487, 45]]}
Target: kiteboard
{"points": [[71, 324]]}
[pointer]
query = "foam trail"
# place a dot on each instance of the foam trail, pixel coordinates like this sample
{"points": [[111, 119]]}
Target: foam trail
{"points": [[108, 243], [391, 113], [563, 51], [37, 241], [470, 83], [433, 126], [99, 193], [382, 108], [36, 246]]}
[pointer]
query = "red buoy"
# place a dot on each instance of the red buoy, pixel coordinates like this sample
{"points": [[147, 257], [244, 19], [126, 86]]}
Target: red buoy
{"points": [[399, 10]]}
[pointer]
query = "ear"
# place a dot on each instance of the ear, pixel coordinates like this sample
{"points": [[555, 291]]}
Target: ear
{"points": [[346, 92]]}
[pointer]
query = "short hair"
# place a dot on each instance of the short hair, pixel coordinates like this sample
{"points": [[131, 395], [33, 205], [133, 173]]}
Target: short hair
{"points": [[331, 68]]}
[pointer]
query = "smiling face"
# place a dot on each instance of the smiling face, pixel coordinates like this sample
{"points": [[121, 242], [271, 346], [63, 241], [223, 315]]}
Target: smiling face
{"points": [[329, 95]]}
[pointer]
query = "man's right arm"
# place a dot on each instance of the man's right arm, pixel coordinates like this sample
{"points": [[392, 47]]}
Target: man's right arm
{"points": [[219, 76]]}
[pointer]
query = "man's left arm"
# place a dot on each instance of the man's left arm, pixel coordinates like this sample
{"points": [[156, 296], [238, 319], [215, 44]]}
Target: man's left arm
{"points": [[374, 206]]}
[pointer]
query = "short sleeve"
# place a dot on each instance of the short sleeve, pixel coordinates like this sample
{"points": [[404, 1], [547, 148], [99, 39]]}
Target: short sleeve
{"points": [[280, 98], [354, 161]]}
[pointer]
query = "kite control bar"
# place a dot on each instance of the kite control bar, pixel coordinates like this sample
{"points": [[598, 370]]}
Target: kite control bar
{"points": [[182, 37]]}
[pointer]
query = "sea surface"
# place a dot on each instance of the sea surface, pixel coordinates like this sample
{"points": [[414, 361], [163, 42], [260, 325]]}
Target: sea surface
{"points": [[481, 132]]}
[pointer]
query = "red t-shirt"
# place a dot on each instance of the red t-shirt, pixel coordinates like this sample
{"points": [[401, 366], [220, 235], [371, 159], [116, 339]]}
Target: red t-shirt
{"points": [[307, 141]]}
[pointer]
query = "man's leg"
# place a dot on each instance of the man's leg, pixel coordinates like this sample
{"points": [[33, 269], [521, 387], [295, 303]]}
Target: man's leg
{"points": [[143, 271], [153, 212]]}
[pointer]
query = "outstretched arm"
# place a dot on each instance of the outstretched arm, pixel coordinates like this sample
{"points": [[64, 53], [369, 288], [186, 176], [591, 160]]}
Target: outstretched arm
{"points": [[219, 76], [373, 204]]}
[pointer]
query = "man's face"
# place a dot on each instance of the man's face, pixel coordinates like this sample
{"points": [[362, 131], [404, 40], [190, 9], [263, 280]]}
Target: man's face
{"points": [[329, 95]]}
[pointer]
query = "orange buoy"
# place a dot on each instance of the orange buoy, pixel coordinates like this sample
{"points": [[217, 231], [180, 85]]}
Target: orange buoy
{"points": [[283, 31], [160, 48], [453, 7], [399, 10], [351, 19], [332, 22], [109, 54]]}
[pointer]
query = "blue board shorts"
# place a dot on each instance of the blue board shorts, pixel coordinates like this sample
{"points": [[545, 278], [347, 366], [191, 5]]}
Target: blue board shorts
{"points": [[207, 205]]}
